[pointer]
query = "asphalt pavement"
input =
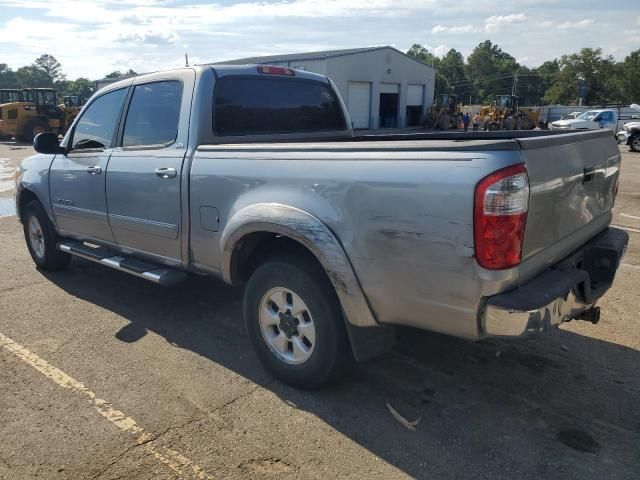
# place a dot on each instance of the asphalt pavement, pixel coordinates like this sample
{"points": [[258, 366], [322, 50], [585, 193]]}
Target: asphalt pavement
{"points": [[107, 376]]}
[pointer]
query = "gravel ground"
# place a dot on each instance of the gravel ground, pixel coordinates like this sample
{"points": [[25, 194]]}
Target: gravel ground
{"points": [[106, 376]]}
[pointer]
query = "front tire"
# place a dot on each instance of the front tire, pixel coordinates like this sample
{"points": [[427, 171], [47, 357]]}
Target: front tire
{"points": [[634, 143], [42, 239], [34, 127], [295, 322]]}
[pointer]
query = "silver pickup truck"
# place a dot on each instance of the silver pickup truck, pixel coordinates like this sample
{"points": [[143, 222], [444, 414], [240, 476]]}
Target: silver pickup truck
{"points": [[252, 174]]}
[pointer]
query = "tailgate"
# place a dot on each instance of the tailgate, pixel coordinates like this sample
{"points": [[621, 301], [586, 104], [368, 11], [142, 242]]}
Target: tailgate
{"points": [[572, 181]]}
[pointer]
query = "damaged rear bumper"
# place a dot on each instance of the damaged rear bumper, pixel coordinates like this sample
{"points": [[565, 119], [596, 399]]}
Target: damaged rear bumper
{"points": [[567, 291]]}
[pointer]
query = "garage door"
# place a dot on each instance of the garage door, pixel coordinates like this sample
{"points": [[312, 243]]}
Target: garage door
{"points": [[359, 103], [414, 95]]}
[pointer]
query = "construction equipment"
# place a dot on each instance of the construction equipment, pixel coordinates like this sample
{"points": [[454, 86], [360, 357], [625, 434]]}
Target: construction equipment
{"points": [[10, 95], [36, 112], [71, 107], [446, 113], [506, 114]]}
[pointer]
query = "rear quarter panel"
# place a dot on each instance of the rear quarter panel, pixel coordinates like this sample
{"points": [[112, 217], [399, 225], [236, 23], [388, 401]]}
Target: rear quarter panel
{"points": [[404, 219]]}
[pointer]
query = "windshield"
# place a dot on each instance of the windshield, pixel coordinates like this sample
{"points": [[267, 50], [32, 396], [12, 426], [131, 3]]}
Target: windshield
{"points": [[587, 115], [46, 97]]}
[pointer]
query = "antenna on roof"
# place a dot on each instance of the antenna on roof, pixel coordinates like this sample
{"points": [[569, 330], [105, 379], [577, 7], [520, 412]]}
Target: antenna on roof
{"points": [[186, 59]]}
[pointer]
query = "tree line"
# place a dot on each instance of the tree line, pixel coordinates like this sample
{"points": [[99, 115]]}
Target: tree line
{"points": [[46, 72], [489, 71]]}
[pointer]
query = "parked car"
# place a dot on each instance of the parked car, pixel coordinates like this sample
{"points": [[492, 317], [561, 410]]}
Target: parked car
{"points": [[630, 135], [252, 174], [589, 120]]}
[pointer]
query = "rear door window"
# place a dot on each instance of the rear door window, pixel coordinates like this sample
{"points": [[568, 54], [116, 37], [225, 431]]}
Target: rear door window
{"points": [[265, 105], [153, 115]]}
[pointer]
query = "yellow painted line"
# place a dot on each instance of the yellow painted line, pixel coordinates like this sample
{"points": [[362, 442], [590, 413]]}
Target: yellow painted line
{"points": [[629, 216], [628, 265], [172, 459]]}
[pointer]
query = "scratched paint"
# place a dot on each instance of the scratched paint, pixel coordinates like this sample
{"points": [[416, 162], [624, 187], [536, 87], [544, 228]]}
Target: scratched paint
{"points": [[172, 459]]}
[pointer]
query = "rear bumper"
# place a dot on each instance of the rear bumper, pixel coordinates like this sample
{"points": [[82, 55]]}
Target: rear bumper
{"points": [[565, 292]]}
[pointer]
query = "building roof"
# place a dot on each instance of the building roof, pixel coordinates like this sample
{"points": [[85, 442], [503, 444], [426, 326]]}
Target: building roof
{"points": [[298, 57]]}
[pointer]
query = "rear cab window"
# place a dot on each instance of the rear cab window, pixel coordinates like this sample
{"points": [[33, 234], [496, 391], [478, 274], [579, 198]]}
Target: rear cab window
{"points": [[258, 105]]}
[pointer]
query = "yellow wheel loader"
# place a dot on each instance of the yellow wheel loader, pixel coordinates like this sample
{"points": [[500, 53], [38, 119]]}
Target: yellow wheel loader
{"points": [[445, 114], [36, 112], [507, 114]]}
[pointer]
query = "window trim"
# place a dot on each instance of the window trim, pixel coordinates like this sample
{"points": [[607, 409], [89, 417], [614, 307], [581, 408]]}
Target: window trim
{"points": [[125, 113], [84, 111], [273, 134]]}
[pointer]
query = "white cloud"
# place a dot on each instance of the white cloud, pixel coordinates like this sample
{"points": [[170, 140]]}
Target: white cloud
{"points": [[496, 22], [93, 37], [568, 25], [455, 30]]}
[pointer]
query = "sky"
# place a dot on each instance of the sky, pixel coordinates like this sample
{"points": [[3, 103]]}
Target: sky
{"points": [[93, 38]]}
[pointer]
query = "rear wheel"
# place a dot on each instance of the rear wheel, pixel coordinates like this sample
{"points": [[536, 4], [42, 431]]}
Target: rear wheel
{"points": [[42, 239], [295, 323], [33, 127], [634, 143]]}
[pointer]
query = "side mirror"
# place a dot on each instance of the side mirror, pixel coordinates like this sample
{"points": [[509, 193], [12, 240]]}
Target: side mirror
{"points": [[47, 142]]}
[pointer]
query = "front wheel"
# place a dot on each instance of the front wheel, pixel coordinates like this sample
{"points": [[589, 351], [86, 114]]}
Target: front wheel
{"points": [[634, 143], [42, 238], [34, 127], [295, 323]]}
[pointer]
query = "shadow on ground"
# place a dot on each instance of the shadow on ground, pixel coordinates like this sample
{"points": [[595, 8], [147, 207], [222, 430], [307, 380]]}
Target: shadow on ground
{"points": [[557, 406]]}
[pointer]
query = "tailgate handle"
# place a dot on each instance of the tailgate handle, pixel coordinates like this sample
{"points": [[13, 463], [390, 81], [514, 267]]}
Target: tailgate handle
{"points": [[588, 174]]}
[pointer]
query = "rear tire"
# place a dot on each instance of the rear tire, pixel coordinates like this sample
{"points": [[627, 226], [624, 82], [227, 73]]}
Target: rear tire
{"points": [[634, 143], [42, 239], [295, 322]]}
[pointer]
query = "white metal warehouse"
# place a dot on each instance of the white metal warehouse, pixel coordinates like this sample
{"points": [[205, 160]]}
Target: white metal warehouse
{"points": [[381, 86]]}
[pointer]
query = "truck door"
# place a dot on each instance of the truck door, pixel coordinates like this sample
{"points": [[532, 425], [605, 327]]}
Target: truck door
{"points": [[144, 174], [77, 179]]}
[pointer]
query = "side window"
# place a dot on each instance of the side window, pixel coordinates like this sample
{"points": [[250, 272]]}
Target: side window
{"points": [[97, 125], [606, 117], [153, 114], [261, 105]]}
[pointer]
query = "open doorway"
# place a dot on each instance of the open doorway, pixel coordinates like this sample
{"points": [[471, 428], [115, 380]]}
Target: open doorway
{"points": [[389, 110]]}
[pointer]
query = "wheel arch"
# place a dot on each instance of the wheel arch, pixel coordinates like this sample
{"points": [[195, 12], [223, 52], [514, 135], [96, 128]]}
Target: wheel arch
{"points": [[257, 225], [23, 198]]}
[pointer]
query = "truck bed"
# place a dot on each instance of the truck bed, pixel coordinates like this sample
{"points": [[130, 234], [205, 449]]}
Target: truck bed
{"points": [[402, 208]]}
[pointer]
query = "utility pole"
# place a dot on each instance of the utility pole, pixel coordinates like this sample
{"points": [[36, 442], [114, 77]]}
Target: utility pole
{"points": [[514, 89]]}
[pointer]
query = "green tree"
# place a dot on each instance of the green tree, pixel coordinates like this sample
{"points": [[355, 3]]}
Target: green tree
{"points": [[491, 70], [49, 65], [419, 52], [118, 74], [32, 77], [7, 77], [586, 70], [114, 74], [630, 77], [452, 67]]}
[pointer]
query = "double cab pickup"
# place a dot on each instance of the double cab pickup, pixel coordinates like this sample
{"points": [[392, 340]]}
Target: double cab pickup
{"points": [[252, 174]]}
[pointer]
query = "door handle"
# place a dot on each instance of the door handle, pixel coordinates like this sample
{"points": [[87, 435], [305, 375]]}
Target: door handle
{"points": [[94, 170], [165, 172]]}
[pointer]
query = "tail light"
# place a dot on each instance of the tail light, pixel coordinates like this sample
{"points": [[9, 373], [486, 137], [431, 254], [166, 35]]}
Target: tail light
{"points": [[500, 210], [270, 70]]}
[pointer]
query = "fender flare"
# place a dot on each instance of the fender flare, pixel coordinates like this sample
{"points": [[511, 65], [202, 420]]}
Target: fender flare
{"points": [[312, 233]]}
